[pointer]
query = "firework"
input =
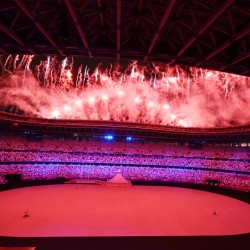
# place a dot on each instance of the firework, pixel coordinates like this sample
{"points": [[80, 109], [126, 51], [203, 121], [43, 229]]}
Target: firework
{"points": [[176, 96]]}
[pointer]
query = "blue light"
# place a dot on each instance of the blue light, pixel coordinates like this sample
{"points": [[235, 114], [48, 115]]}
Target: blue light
{"points": [[129, 138], [109, 137]]}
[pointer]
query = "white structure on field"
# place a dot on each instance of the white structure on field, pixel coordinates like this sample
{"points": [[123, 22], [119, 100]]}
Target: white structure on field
{"points": [[119, 180]]}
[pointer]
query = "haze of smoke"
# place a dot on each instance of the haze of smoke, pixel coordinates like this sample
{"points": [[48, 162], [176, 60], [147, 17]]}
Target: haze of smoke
{"points": [[172, 96]]}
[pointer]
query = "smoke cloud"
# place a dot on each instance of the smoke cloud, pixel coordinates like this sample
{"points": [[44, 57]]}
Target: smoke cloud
{"points": [[163, 95]]}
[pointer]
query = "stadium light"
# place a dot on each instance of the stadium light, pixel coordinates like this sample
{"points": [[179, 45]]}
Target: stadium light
{"points": [[109, 137]]}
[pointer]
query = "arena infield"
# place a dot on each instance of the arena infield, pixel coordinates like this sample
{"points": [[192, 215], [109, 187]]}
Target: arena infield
{"points": [[74, 210]]}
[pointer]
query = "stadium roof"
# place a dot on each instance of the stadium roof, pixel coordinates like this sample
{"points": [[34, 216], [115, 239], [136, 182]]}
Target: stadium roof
{"points": [[13, 122], [211, 34]]}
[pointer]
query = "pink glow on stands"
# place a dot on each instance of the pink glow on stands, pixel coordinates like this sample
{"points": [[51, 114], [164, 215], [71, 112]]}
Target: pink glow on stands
{"points": [[156, 94], [53, 158]]}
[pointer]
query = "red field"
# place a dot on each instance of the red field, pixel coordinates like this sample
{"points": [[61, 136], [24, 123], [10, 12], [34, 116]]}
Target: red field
{"points": [[92, 210]]}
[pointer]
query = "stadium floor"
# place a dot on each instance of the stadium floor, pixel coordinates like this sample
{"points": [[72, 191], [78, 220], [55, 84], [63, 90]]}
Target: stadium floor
{"points": [[91, 210]]}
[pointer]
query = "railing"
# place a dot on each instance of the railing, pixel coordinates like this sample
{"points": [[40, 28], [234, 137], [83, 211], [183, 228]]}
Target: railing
{"points": [[27, 120]]}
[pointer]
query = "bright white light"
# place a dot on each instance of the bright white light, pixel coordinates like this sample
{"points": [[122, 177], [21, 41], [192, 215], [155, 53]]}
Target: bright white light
{"points": [[150, 104], [69, 74], [92, 99], [55, 114], [165, 106], [78, 103], [172, 79], [120, 93], [105, 97], [104, 78], [173, 116], [64, 63], [209, 74], [66, 108], [182, 123], [137, 99]]}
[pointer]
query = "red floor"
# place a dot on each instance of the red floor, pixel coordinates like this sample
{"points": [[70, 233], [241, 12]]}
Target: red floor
{"points": [[92, 210]]}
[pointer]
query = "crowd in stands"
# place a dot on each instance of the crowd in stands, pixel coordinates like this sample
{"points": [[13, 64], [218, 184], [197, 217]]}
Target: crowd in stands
{"points": [[51, 158], [142, 148], [96, 157], [133, 173]]}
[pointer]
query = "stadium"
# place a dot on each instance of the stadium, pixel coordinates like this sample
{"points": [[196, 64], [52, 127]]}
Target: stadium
{"points": [[124, 125]]}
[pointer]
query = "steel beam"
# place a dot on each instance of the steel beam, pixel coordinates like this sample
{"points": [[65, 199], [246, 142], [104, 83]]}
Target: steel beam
{"points": [[241, 58], [204, 27], [11, 33], [100, 12], [3, 51], [38, 24], [162, 23], [77, 25], [236, 60], [226, 44], [138, 14], [118, 28]]}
